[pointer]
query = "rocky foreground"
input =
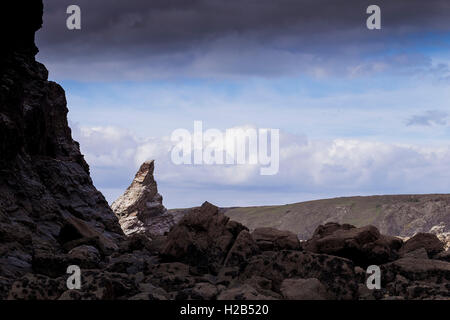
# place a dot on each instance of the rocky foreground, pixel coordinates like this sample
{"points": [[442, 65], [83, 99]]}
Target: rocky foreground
{"points": [[207, 256], [51, 216]]}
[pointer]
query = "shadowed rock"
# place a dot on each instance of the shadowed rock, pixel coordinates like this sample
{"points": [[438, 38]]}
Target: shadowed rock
{"points": [[427, 241], [273, 239], [202, 238], [46, 194], [365, 246], [303, 289]]}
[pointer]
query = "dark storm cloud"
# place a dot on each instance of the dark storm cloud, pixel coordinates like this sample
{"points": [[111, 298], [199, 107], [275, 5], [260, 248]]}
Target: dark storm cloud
{"points": [[197, 35]]}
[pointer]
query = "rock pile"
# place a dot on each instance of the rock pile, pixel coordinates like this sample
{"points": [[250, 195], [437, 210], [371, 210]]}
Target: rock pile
{"points": [[206, 256]]}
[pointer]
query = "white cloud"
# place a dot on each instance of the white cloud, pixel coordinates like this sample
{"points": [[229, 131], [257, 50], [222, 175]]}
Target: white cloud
{"points": [[315, 168]]}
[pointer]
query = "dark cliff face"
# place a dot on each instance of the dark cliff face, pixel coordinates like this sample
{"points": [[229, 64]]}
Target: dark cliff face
{"points": [[48, 203], [19, 20]]}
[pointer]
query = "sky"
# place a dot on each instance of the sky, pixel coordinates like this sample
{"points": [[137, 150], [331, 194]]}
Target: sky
{"points": [[360, 111]]}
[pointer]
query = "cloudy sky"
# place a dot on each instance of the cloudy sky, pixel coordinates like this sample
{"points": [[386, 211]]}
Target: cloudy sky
{"points": [[360, 111]]}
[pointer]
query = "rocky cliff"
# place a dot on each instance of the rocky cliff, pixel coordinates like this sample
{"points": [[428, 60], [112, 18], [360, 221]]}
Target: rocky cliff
{"points": [[48, 204]]}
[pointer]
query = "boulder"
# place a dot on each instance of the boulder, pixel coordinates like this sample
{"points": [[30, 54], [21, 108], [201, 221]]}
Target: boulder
{"points": [[76, 231], [413, 278], [418, 269], [243, 248], [273, 239], [427, 241], [364, 246], [202, 239]]}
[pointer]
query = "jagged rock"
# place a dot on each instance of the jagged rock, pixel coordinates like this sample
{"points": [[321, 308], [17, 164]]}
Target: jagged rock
{"points": [[75, 229], [273, 239], [428, 241], [335, 273], [243, 248], [303, 289], [202, 239], [44, 179], [140, 209], [364, 246]]}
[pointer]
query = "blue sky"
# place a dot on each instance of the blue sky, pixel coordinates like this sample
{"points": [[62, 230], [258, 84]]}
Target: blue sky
{"points": [[360, 112]]}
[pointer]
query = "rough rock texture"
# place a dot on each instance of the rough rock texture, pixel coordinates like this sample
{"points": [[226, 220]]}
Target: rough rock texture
{"points": [[48, 204], [202, 238], [303, 289], [140, 208], [427, 241], [273, 239], [365, 246], [417, 279], [335, 273]]}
